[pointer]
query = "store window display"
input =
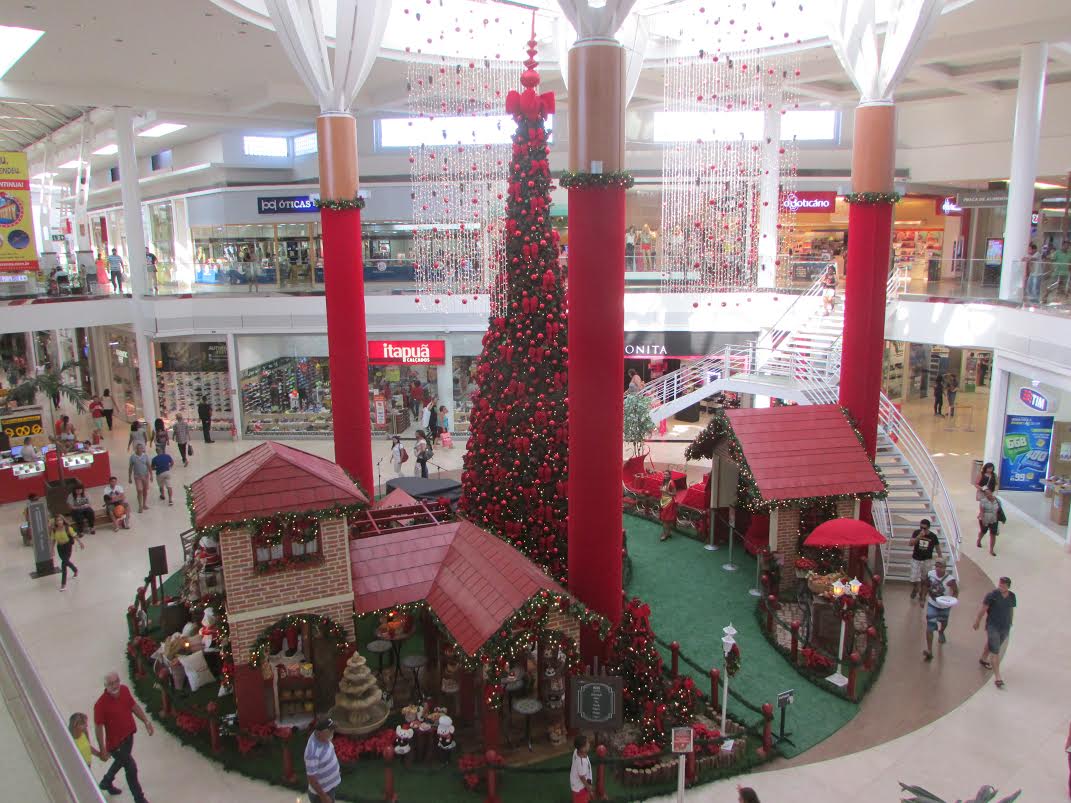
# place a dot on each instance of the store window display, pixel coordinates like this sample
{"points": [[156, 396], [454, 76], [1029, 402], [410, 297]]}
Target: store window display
{"points": [[399, 395], [186, 371], [287, 396]]}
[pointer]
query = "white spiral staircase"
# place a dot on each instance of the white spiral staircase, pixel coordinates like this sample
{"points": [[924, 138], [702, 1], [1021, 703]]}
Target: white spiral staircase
{"points": [[798, 359]]}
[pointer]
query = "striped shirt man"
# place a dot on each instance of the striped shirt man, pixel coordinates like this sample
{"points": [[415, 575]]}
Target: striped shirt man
{"points": [[321, 763]]}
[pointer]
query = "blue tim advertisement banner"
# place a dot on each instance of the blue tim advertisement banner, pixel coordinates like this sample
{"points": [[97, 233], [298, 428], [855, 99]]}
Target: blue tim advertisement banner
{"points": [[1025, 452]]}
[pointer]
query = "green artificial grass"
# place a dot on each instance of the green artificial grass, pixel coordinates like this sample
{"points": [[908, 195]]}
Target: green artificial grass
{"points": [[692, 599]]}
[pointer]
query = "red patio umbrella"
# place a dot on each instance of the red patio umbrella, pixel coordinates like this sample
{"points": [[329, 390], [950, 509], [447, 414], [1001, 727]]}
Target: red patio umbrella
{"points": [[844, 532]]}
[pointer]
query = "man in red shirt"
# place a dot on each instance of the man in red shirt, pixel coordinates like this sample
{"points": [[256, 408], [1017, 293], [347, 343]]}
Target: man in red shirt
{"points": [[113, 715]]}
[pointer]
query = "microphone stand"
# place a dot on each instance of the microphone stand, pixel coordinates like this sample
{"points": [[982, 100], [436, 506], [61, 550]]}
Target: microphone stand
{"points": [[379, 477]]}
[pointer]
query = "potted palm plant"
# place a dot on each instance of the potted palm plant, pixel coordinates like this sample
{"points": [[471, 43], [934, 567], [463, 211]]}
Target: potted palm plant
{"points": [[54, 387]]}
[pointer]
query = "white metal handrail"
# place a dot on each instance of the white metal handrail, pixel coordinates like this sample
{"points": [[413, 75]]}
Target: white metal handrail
{"points": [[914, 450], [773, 335]]}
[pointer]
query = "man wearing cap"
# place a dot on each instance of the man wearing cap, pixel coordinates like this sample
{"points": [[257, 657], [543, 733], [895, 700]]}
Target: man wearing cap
{"points": [[321, 763], [923, 544], [941, 586]]}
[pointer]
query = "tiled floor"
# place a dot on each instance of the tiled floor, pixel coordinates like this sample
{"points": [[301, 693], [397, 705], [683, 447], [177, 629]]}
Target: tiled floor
{"points": [[1010, 739]]}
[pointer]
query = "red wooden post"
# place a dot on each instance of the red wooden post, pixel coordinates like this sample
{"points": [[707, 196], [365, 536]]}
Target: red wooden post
{"points": [[289, 776], [771, 601], [165, 693], [659, 712], [132, 621], [600, 773], [675, 655], [388, 773], [715, 684], [689, 768], [854, 659], [795, 629], [767, 725], [139, 659], [155, 590], [492, 783], [213, 727]]}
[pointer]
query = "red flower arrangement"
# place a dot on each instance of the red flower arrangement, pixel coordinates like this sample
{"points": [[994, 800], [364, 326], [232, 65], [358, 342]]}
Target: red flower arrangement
{"points": [[472, 768], [246, 745], [642, 755], [812, 659], [191, 723], [148, 646], [805, 564], [350, 750], [702, 733]]}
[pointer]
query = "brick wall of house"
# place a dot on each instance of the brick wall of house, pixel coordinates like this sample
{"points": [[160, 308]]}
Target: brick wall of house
{"points": [[248, 591], [845, 508], [245, 633], [788, 532], [565, 623]]}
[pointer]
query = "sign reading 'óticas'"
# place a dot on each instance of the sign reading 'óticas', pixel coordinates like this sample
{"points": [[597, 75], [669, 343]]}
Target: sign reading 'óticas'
{"points": [[596, 702], [286, 204]]}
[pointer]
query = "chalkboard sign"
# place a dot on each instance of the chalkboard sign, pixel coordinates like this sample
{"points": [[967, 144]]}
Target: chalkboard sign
{"points": [[596, 702]]}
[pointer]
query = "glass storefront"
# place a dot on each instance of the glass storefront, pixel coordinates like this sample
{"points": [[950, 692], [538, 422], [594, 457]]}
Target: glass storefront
{"points": [[125, 382], [284, 385], [188, 370]]}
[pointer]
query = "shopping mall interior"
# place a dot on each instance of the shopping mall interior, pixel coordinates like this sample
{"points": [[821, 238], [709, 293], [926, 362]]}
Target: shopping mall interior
{"points": [[380, 285]]}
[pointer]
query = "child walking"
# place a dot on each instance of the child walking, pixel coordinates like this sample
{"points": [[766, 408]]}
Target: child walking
{"points": [[78, 725]]}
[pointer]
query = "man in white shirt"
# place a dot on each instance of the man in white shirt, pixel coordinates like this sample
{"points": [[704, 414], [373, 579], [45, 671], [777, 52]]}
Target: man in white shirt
{"points": [[28, 453], [941, 585], [580, 772]]}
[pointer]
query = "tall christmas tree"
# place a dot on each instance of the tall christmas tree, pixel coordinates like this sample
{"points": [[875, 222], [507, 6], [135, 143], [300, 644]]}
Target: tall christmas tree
{"points": [[515, 479]]}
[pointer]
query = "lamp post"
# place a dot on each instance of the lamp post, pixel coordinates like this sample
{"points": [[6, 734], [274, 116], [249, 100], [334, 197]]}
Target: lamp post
{"points": [[839, 590], [727, 644]]}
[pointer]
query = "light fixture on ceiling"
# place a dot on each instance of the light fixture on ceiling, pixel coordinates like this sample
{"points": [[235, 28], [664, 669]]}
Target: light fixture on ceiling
{"points": [[107, 150], [73, 164], [14, 42], [1044, 185], [161, 130]]}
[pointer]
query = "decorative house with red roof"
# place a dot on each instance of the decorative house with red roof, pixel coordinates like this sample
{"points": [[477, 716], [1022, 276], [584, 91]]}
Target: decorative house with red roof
{"points": [[305, 556], [798, 467], [280, 518]]}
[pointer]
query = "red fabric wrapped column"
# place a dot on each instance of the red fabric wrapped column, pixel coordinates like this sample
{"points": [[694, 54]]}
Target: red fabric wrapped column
{"points": [[347, 343], [869, 243], [596, 402], [869, 248], [596, 330], [336, 136]]}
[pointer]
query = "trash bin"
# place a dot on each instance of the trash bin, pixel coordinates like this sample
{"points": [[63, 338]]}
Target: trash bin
{"points": [[976, 470]]}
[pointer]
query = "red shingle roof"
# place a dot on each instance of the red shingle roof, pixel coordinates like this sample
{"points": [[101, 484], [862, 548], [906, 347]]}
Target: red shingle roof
{"points": [[802, 451], [271, 479], [396, 498], [472, 580]]}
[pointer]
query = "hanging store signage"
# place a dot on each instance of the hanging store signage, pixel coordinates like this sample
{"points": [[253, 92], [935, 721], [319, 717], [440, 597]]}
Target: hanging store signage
{"points": [[947, 206], [21, 426], [816, 201], [18, 250], [283, 204], [980, 199], [596, 702], [1024, 454], [407, 352], [679, 345], [1034, 399]]}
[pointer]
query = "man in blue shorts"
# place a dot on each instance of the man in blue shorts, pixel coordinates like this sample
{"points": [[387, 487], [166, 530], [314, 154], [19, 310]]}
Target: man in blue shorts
{"points": [[941, 585], [998, 607]]}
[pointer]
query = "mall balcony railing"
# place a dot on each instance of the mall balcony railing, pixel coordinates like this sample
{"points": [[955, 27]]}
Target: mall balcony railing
{"points": [[56, 762], [931, 280]]}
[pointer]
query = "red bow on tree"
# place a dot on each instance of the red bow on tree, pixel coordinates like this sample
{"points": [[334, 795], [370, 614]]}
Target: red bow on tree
{"points": [[529, 104]]}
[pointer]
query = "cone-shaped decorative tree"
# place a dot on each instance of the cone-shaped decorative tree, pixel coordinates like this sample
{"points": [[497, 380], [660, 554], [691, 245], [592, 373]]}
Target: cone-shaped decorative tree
{"points": [[635, 658], [514, 481], [359, 705]]}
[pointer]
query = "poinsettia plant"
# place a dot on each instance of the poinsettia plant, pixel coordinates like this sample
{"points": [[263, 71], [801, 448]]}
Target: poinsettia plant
{"points": [[805, 564]]}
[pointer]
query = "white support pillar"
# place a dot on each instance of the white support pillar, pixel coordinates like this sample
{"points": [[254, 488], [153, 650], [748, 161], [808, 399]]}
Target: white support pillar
{"points": [[770, 191], [1024, 166], [445, 379], [135, 249], [184, 256], [998, 402], [234, 386], [83, 239]]}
